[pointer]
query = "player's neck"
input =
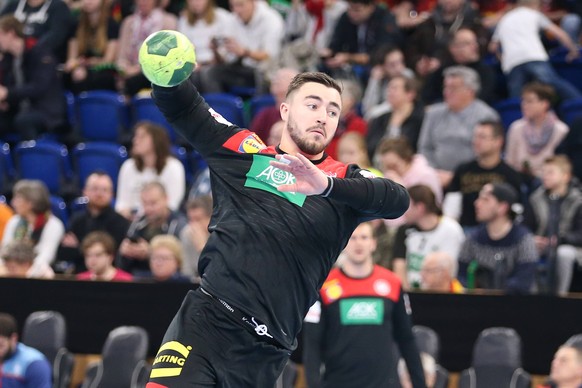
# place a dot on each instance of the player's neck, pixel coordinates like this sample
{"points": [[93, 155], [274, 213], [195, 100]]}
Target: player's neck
{"points": [[358, 270]]}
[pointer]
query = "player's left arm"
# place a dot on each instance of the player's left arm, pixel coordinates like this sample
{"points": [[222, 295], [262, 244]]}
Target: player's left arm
{"points": [[371, 196], [405, 338]]}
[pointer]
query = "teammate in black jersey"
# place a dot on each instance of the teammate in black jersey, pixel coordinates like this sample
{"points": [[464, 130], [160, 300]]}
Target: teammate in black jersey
{"points": [[281, 217]]}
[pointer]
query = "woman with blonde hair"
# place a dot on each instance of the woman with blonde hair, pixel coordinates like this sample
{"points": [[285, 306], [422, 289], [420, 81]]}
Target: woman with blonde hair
{"points": [[166, 259], [351, 148], [151, 160], [33, 221]]}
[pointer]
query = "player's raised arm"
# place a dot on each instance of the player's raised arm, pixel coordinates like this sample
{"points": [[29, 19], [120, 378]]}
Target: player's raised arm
{"points": [[167, 59]]}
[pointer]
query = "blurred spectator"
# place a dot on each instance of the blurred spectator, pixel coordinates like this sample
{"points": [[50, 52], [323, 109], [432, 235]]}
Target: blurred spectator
{"points": [[151, 160], [146, 19], [566, 369], [245, 58], [438, 273], [350, 120], [427, 47], [46, 23], [261, 124], [99, 251], [352, 150], [98, 215], [428, 366], [309, 26], [492, 10], [404, 117], [447, 129], [536, 136], [195, 234], [157, 219], [34, 222], [500, 254], [18, 257], [426, 231], [390, 64], [463, 50], [5, 214], [470, 177], [409, 14], [32, 100], [91, 56], [166, 259], [399, 163], [20, 365], [523, 56], [361, 307], [275, 134], [384, 236], [202, 21], [555, 218], [360, 31]]}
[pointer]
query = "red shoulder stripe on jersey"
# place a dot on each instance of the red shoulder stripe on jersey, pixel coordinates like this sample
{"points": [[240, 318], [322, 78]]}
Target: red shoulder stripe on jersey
{"points": [[333, 168], [381, 283], [245, 142]]}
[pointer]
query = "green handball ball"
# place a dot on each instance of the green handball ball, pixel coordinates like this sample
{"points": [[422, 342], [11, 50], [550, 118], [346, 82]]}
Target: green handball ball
{"points": [[167, 58]]}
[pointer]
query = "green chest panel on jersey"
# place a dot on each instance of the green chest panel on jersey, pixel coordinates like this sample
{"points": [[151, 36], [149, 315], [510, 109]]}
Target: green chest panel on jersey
{"points": [[265, 177], [362, 311]]}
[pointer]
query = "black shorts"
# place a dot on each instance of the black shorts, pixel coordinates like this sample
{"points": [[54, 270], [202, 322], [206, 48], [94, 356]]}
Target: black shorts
{"points": [[204, 347]]}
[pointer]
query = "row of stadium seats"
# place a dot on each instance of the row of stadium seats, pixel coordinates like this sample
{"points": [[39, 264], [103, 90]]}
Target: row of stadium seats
{"points": [[102, 115]]}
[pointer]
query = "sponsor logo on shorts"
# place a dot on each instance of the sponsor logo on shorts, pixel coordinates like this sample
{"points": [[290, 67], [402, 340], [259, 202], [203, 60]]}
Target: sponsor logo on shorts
{"points": [[251, 145], [170, 360], [265, 177], [362, 311]]}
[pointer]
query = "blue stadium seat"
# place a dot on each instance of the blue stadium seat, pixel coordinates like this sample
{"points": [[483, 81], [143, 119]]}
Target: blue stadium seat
{"points": [[229, 106], [46, 161], [102, 115], [59, 209], [261, 102], [509, 110], [182, 155], [571, 109], [144, 108], [71, 108], [91, 156]]}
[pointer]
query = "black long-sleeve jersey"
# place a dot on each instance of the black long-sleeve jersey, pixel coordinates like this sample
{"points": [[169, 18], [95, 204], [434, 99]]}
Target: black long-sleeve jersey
{"points": [[269, 252]]}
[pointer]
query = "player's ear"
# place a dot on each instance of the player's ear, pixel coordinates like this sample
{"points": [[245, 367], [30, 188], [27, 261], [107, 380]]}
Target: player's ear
{"points": [[284, 110]]}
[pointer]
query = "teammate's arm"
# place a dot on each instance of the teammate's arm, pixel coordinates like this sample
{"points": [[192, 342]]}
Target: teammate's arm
{"points": [[406, 342], [312, 342]]}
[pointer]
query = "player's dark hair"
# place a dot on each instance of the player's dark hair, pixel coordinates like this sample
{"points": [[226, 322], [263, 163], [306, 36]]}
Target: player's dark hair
{"points": [[320, 78], [8, 325]]}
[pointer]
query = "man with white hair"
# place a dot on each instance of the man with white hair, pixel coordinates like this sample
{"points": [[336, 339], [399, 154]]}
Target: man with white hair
{"points": [[566, 370], [439, 273], [447, 129], [429, 367]]}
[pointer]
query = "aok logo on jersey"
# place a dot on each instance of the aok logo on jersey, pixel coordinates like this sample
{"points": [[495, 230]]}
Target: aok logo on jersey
{"points": [[362, 311], [170, 359], [265, 177]]}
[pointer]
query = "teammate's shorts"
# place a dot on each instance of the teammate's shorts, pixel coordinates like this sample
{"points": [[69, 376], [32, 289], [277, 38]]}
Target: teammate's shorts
{"points": [[204, 347]]}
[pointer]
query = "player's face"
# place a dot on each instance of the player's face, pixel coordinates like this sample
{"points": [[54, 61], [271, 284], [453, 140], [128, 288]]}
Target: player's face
{"points": [[312, 115], [361, 245], [566, 367]]}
